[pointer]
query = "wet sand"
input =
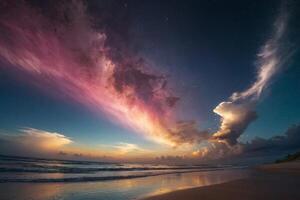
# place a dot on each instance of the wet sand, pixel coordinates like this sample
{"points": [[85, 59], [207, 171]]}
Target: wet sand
{"points": [[123, 189], [274, 181]]}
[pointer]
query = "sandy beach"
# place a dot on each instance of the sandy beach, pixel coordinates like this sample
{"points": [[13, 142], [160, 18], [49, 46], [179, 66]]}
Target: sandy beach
{"points": [[274, 181], [122, 189]]}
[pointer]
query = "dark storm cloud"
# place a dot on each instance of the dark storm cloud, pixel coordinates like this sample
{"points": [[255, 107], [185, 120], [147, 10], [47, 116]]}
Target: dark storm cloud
{"points": [[290, 140]]}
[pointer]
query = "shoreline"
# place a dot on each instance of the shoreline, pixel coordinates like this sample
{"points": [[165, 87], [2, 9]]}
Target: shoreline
{"points": [[126, 189], [108, 178], [272, 181]]}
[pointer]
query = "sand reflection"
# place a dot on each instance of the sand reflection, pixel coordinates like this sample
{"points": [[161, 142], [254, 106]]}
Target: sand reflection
{"points": [[118, 189]]}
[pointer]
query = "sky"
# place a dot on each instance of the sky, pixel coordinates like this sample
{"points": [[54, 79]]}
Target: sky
{"points": [[149, 81]]}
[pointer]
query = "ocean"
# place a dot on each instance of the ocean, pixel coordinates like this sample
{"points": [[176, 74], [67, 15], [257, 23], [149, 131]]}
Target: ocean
{"points": [[39, 179]]}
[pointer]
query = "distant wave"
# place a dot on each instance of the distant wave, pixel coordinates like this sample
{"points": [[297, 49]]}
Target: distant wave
{"points": [[105, 178], [93, 170], [50, 161], [25, 169]]}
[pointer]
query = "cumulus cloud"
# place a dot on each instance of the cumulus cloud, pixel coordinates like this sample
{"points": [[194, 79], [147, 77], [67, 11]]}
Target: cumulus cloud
{"points": [[239, 111], [265, 149], [30, 141], [235, 119], [189, 132]]}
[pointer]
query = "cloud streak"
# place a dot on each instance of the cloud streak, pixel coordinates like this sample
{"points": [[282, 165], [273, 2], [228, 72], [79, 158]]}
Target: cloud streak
{"points": [[65, 52], [270, 59], [239, 111], [124, 148]]}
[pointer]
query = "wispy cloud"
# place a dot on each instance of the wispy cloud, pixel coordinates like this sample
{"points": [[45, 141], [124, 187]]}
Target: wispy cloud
{"points": [[270, 59], [33, 141], [240, 109], [237, 113], [125, 148]]}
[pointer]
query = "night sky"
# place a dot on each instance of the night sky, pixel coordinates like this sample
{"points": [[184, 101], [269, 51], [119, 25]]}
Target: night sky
{"points": [[204, 50]]}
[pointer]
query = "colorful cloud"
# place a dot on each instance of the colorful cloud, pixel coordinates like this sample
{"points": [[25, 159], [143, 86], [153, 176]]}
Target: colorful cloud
{"points": [[32, 141], [63, 53]]}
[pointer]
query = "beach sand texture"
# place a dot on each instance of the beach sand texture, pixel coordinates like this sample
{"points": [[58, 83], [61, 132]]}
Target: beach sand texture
{"points": [[272, 182]]}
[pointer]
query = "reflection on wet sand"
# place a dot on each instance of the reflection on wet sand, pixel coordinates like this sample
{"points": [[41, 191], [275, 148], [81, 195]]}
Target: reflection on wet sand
{"points": [[183, 181], [118, 189], [32, 191]]}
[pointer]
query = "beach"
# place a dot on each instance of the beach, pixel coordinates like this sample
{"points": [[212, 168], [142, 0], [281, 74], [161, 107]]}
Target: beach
{"points": [[45, 179], [273, 181], [125, 189]]}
